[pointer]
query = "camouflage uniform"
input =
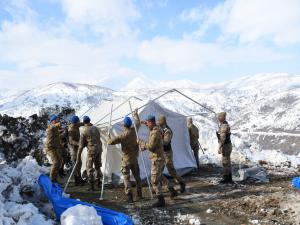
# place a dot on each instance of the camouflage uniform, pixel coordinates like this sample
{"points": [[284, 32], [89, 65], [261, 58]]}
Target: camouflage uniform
{"points": [[52, 147], [225, 147], [194, 141], [74, 138], [130, 149], [90, 138], [155, 147], [168, 154]]}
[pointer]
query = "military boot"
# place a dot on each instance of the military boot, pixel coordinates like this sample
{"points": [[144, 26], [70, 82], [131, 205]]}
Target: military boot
{"points": [[139, 193], [130, 197], [77, 183], [61, 173], [81, 181], [229, 178], [173, 193], [91, 188], [224, 180], [182, 187], [98, 181], [160, 202]]}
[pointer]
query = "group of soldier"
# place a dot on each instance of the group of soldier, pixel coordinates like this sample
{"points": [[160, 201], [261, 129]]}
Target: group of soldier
{"points": [[158, 144]]}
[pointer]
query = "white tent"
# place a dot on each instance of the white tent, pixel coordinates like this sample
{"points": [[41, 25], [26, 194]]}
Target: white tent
{"points": [[184, 160]]}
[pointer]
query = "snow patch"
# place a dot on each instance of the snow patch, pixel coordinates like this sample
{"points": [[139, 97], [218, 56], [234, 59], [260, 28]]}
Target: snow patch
{"points": [[80, 215]]}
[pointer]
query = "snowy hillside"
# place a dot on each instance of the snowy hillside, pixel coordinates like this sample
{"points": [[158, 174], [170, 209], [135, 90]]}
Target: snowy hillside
{"points": [[78, 96], [263, 110]]}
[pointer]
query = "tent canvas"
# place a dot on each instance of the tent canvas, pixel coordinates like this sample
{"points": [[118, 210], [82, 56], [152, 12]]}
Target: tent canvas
{"points": [[183, 157]]}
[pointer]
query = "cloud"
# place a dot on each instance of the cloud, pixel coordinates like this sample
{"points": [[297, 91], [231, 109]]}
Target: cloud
{"points": [[110, 18], [48, 53], [189, 55], [275, 21]]}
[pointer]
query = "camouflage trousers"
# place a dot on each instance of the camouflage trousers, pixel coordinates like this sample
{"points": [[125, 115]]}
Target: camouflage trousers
{"points": [[132, 166], [74, 151], [56, 163], [172, 171], [157, 167], [226, 161], [196, 154], [93, 163]]}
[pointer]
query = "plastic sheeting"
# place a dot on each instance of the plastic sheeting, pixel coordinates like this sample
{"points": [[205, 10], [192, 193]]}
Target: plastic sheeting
{"points": [[296, 183], [257, 174], [54, 193]]}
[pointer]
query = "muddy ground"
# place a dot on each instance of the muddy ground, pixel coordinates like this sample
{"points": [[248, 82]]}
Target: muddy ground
{"points": [[208, 202]]}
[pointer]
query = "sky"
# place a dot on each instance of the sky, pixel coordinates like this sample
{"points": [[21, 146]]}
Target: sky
{"points": [[111, 42]]}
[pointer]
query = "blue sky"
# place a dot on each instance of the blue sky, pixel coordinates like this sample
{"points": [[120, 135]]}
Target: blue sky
{"points": [[111, 42]]}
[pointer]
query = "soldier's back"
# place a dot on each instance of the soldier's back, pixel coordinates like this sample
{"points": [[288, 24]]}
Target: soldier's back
{"points": [[92, 135]]}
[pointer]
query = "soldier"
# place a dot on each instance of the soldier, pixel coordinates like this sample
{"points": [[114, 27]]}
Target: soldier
{"points": [[53, 146], [194, 140], [225, 147], [130, 149], [90, 138], [155, 147], [74, 137], [168, 154]]}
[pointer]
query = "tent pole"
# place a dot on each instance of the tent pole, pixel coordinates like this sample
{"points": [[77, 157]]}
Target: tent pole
{"points": [[179, 92], [128, 99], [143, 160], [108, 134], [138, 108], [73, 170]]}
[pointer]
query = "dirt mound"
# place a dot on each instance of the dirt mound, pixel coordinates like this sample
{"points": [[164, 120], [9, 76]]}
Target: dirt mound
{"points": [[20, 137]]}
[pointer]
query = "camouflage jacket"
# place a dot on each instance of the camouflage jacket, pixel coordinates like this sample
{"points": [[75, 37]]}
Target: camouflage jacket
{"points": [[167, 134], [194, 136], [224, 134], [128, 141], [74, 134], [155, 144], [90, 138], [53, 140]]}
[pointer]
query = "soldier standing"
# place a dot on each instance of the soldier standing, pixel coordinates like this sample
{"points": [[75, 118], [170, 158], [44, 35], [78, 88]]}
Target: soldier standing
{"points": [[168, 154], [155, 147], [130, 149], [53, 146], [74, 137], [194, 140], [225, 147], [90, 138]]}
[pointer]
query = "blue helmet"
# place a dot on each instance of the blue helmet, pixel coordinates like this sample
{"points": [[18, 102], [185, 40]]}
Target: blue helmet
{"points": [[74, 119], [53, 117], [150, 118], [127, 121], [86, 119]]}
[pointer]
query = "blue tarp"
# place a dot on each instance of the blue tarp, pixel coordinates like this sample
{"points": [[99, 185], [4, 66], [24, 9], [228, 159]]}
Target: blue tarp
{"points": [[296, 182], [54, 193]]}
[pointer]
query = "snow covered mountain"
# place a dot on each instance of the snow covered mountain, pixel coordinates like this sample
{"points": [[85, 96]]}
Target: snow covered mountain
{"points": [[263, 109], [78, 96]]}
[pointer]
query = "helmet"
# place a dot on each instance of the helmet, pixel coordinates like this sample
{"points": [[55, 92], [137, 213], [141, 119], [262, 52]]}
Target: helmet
{"points": [[74, 119], [150, 118], [127, 121], [53, 117], [86, 119]]}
